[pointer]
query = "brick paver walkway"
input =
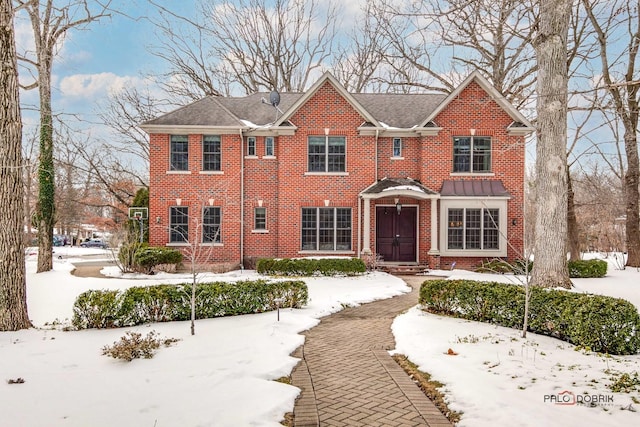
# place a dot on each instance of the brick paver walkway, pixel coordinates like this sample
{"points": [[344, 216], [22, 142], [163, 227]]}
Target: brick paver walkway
{"points": [[347, 377]]}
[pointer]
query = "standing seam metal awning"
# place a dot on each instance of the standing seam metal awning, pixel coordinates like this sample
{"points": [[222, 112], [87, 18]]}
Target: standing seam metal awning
{"points": [[474, 188]]}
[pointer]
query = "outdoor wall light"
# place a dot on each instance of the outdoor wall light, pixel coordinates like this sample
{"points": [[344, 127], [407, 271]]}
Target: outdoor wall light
{"points": [[398, 206], [514, 221], [158, 219]]}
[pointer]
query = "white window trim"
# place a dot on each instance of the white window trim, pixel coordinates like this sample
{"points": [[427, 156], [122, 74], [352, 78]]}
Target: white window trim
{"points": [[326, 145], [393, 148], [474, 203], [273, 146], [255, 148]]}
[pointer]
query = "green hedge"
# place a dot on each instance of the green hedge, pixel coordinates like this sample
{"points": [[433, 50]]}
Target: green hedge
{"points": [[143, 258], [577, 269], [311, 266], [600, 323], [164, 303]]}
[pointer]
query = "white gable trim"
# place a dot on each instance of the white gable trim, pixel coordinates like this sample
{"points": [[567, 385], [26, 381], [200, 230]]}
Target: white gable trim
{"points": [[495, 95], [327, 77]]}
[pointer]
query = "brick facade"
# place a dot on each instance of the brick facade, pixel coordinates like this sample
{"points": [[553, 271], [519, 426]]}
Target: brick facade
{"points": [[283, 185]]}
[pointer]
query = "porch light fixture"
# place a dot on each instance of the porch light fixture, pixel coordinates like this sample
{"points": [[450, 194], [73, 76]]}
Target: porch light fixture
{"points": [[398, 206], [211, 202], [158, 219], [514, 221], [178, 201]]}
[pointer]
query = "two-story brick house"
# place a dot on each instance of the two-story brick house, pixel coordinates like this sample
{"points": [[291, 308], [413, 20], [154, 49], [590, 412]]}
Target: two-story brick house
{"points": [[416, 178]]}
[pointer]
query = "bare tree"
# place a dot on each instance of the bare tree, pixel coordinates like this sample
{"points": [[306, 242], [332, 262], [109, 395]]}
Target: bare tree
{"points": [[616, 26], [13, 294], [247, 45], [550, 267], [50, 24], [360, 64]]}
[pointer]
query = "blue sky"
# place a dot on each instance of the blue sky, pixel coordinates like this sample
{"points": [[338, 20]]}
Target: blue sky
{"points": [[108, 55]]}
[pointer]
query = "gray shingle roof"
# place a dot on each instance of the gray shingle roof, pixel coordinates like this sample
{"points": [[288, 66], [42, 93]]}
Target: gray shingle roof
{"points": [[395, 110]]}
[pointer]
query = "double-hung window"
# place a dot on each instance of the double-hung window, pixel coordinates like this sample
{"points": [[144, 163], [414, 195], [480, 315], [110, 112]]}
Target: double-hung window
{"points": [[211, 153], [471, 154], [327, 154], [397, 147], [179, 153], [326, 229], [251, 146], [260, 219], [473, 228], [211, 225], [269, 146], [178, 224]]}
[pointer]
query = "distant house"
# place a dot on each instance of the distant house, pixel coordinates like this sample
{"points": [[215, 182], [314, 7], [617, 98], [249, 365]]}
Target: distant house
{"points": [[417, 178]]}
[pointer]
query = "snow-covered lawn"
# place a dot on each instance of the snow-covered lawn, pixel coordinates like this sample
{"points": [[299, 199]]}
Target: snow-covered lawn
{"points": [[498, 378], [223, 376]]}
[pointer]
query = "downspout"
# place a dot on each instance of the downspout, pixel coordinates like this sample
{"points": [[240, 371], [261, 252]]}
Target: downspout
{"points": [[359, 198], [241, 199], [376, 155]]}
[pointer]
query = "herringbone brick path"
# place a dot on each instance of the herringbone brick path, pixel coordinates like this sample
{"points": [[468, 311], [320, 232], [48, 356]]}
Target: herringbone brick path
{"points": [[347, 377]]}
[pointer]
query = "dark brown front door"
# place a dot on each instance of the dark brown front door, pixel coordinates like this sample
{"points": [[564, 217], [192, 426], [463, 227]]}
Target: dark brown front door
{"points": [[396, 233]]}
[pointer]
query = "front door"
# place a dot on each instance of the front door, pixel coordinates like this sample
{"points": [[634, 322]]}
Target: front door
{"points": [[396, 233]]}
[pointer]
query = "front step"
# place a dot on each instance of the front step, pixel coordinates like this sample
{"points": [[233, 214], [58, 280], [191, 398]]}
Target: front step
{"points": [[400, 269]]}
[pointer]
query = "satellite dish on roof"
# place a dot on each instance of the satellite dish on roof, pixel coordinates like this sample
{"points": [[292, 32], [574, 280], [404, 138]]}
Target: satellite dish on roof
{"points": [[274, 98]]}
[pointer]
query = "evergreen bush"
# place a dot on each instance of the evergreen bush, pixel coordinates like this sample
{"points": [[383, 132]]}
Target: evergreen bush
{"points": [[311, 266], [600, 323], [164, 303]]}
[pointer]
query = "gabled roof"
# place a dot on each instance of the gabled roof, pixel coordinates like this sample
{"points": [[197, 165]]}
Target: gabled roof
{"points": [[389, 187], [492, 91], [327, 77], [397, 113]]}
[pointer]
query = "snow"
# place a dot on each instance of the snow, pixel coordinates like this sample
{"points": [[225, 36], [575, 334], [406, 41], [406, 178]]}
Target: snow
{"points": [[500, 378], [405, 187], [223, 376]]}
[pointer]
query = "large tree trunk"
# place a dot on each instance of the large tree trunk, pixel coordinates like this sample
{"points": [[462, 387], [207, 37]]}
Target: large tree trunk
{"points": [[550, 266], [46, 195], [13, 295], [632, 197], [572, 223]]}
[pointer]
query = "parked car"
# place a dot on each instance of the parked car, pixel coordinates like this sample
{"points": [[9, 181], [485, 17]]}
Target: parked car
{"points": [[94, 243]]}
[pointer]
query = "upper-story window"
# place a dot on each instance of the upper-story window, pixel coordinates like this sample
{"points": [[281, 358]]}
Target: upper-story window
{"points": [[327, 153], [472, 154], [269, 146], [251, 146], [397, 147], [211, 153], [179, 153]]}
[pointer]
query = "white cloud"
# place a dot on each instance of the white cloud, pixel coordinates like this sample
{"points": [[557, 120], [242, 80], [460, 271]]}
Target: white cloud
{"points": [[92, 86]]}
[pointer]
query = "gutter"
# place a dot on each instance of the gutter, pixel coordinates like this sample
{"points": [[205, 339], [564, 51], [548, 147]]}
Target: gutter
{"points": [[241, 199]]}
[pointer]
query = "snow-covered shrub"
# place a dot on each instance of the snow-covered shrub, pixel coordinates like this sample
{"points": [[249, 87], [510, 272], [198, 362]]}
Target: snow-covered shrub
{"points": [[133, 346], [601, 323], [587, 268], [164, 303]]}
